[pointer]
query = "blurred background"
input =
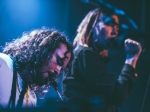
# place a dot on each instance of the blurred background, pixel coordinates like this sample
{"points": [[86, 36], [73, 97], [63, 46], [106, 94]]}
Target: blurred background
{"points": [[18, 16]]}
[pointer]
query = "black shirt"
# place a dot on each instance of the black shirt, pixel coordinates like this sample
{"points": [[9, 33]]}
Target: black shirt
{"points": [[89, 84]]}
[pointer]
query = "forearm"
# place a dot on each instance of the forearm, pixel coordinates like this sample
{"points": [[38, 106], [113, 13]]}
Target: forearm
{"points": [[131, 61], [124, 85]]}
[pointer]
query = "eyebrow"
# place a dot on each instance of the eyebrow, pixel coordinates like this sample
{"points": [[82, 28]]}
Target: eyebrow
{"points": [[65, 55]]}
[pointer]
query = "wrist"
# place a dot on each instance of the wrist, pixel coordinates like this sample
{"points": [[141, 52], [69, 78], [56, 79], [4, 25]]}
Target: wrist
{"points": [[131, 61]]}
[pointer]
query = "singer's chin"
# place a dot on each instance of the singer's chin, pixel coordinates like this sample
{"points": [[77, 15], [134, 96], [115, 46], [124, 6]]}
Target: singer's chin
{"points": [[51, 75]]}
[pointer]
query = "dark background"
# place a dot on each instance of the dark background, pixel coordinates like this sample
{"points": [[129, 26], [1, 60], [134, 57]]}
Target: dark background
{"points": [[18, 16]]}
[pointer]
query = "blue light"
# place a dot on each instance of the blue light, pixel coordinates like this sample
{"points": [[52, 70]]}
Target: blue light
{"points": [[23, 11], [85, 1]]}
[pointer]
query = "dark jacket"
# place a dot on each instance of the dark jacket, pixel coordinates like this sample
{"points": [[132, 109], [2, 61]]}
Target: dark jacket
{"points": [[89, 84]]}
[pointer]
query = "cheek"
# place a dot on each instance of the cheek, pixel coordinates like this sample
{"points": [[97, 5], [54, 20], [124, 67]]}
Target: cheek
{"points": [[66, 63], [67, 60], [103, 33], [108, 31], [51, 66]]}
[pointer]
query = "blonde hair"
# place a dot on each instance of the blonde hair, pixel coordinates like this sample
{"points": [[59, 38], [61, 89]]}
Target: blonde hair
{"points": [[85, 28]]}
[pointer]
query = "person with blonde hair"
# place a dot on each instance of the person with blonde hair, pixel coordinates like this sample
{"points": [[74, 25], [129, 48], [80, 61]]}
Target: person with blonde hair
{"points": [[28, 65], [88, 83]]}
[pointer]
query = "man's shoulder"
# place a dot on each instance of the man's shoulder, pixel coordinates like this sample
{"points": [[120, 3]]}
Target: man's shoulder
{"points": [[3, 55], [5, 59], [83, 49]]}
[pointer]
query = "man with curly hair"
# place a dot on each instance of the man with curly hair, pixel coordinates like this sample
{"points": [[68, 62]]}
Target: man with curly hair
{"points": [[29, 63]]}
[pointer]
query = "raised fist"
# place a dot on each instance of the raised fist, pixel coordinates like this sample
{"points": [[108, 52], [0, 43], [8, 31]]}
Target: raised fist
{"points": [[132, 48]]}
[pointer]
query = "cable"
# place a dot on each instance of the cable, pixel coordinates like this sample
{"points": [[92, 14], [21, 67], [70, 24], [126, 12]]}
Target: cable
{"points": [[145, 94]]}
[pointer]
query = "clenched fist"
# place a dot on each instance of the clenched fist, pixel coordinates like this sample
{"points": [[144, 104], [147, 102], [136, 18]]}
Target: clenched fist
{"points": [[132, 47], [133, 50]]}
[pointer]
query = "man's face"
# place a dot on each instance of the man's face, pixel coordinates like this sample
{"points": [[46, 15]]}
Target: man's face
{"points": [[105, 29], [60, 59]]}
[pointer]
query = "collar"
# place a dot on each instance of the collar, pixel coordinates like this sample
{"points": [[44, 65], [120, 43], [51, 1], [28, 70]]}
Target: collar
{"points": [[106, 59]]}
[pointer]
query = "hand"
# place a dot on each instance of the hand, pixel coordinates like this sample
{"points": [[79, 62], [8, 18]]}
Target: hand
{"points": [[132, 48]]}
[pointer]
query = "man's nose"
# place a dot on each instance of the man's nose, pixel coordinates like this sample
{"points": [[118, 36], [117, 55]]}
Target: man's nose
{"points": [[58, 69], [114, 30]]}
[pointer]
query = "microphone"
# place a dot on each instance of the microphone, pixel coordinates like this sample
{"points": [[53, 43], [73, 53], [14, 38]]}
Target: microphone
{"points": [[53, 83], [55, 86]]}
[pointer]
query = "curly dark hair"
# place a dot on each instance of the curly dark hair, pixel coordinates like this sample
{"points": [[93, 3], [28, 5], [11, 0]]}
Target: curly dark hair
{"points": [[34, 49]]}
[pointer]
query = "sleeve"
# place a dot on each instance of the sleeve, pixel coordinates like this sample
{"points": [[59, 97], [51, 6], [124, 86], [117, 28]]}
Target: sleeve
{"points": [[6, 75], [95, 73]]}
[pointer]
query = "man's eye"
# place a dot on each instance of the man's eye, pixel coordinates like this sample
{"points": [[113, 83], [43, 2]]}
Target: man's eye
{"points": [[60, 61]]}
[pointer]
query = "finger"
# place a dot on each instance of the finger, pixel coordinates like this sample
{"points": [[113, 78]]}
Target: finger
{"points": [[127, 40], [130, 41]]}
